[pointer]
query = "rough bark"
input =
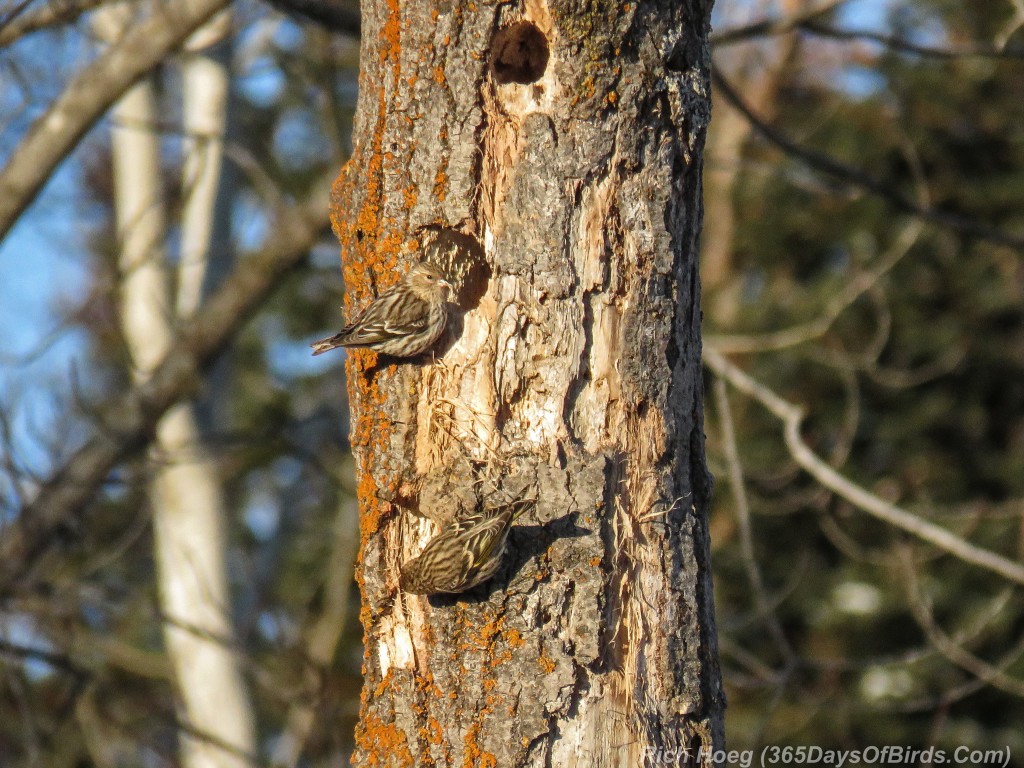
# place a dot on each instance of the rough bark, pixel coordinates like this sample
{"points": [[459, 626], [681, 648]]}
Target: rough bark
{"points": [[549, 155]]}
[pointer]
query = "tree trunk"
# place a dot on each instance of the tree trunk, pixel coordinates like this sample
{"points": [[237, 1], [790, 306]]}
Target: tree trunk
{"points": [[186, 496], [549, 157]]}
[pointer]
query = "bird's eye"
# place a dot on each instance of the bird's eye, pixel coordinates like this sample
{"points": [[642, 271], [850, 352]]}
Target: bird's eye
{"points": [[430, 277]]}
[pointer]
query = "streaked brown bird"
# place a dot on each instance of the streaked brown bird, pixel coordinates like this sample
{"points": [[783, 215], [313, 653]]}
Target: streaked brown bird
{"points": [[404, 321], [463, 555]]}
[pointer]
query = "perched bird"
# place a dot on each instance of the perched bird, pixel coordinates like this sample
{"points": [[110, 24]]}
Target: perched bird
{"points": [[464, 554], [404, 321]]}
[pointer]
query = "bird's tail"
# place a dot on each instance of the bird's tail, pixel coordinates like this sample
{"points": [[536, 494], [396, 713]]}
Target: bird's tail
{"points": [[326, 345], [521, 505]]}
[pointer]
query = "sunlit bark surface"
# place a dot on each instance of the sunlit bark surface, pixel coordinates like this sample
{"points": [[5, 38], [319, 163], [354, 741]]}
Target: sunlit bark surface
{"points": [[549, 156]]}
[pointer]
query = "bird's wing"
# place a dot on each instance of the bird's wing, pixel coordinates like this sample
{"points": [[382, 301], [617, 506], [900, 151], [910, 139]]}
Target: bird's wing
{"points": [[481, 539], [394, 314]]}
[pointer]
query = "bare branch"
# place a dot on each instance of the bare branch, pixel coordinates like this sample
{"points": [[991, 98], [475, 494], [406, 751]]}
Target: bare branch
{"points": [[858, 179], [951, 649], [765, 609], [329, 14], [853, 290], [775, 26], [121, 655], [89, 95], [1011, 27], [901, 45], [16, 11], [805, 21], [100, 747], [54, 13], [29, 653], [792, 417], [129, 421]]}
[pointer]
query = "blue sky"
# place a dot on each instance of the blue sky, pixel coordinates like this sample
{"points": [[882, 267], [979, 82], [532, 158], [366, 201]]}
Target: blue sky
{"points": [[42, 266]]}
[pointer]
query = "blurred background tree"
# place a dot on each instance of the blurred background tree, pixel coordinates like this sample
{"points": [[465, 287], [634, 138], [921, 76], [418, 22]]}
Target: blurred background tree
{"points": [[84, 661], [862, 252], [863, 243]]}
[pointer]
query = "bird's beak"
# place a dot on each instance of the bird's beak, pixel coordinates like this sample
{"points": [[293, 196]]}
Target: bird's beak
{"points": [[446, 284]]}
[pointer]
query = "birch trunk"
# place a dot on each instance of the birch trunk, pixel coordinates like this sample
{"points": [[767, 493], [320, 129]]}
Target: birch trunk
{"points": [[185, 493], [548, 154]]}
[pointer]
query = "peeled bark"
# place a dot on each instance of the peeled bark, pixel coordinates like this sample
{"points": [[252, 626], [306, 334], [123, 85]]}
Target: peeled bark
{"points": [[549, 156]]}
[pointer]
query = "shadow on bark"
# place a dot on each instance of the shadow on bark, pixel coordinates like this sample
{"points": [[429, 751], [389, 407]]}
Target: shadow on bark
{"points": [[525, 544]]}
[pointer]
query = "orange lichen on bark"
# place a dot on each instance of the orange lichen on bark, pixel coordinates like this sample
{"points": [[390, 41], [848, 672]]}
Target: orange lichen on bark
{"points": [[501, 657], [514, 638], [410, 196], [425, 684], [490, 630], [439, 74], [368, 253], [441, 184], [383, 685], [441, 177], [382, 743], [432, 732], [371, 248], [546, 663], [371, 435], [391, 34], [365, 614], [473, 756]]}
